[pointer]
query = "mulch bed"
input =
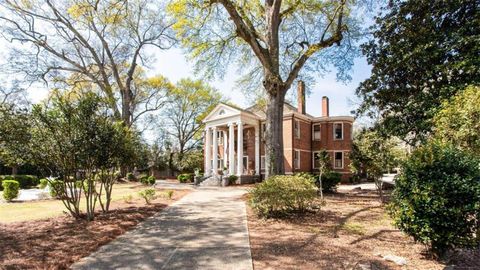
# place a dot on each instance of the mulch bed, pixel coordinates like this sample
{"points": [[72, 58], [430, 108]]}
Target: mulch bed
{"points": [[56, 243], [352, 230]]}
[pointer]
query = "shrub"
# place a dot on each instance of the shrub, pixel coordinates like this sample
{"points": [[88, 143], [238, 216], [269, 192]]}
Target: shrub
{"points": [[148, 180], [128, 198], [169, 194], [43, 183], [10, 189], [147, 194], [282, 194], [130, 176], [232, 179], [330, 180], [185, 178], [25, 181], [437, 197]]}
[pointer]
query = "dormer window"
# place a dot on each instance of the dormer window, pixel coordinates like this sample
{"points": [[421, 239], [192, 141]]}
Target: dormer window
{"points": [[338, 131]]}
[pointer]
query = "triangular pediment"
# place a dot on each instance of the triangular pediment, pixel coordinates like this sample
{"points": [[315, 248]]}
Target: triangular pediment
{"points": [[221, 111]]}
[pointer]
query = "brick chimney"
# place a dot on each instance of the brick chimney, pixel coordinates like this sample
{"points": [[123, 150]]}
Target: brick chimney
{"points": [[325, 107], [301, 97]]}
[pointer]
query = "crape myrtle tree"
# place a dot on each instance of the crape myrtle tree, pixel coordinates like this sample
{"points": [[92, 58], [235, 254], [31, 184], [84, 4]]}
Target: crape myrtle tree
{"points": [[273, 42], [101, 43], [77, 140], [422, 53]]}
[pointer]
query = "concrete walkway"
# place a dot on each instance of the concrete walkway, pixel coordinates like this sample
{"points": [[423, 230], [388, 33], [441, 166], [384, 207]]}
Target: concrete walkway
{"points": [[207, 229]]}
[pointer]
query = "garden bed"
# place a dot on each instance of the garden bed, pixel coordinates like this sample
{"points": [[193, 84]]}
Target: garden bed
{"points": [[58, 242], [351, 230]]}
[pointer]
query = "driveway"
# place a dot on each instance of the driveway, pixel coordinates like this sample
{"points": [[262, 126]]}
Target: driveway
{"points": [[207, 229]]}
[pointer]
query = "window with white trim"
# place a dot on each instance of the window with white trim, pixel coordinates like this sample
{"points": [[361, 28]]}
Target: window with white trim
{"points": [[296, 128], [316, 132], [316, 159], [296, 159], [220, 137], [338, 131], [262, 162], [338, 160]]}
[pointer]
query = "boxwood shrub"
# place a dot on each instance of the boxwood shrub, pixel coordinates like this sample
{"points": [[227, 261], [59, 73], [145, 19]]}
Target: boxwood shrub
{"points": [[10, 189], [185, 177], [282, 194], [329, 179], [148, 180], [437, 197], [25, 181]]}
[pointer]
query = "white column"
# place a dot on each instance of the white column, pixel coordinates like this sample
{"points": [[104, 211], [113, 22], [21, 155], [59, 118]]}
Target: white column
{"points": [[208, 143], [257, 150], [240, 149], [225, 145], [231, 148], [215, 151]]}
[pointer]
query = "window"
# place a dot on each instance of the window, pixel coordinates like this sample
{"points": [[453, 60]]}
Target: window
{"points": [[221, 112], [316, 160], [296, 129], [262, 162], [316, 132], [338, 162], [338, 131], [220, 137], [296, 159], [245, 163], [220, 164]]}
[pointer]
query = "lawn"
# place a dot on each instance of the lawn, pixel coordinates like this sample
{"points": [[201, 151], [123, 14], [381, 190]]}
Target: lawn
{"points": [[25, 211], [352, 229], [31, 241]]}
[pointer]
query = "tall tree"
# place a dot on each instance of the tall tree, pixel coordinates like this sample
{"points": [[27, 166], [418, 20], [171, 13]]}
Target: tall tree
{"points": [[86, 41], [188, 104], [273, 42], [422, 53]]}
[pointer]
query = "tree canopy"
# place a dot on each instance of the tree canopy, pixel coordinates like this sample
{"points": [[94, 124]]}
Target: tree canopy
{"points": [[422, 53]]}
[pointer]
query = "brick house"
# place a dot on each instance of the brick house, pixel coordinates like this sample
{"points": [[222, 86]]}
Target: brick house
{"points": [[236, 136]]}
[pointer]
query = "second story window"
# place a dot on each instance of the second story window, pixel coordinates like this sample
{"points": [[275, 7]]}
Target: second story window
{"points": [[338, 131], [296, 128], [316, 132]]}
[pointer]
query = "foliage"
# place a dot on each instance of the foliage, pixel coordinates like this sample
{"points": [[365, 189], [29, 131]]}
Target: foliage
{"points": [[147, 194], [10, 189], [437, 197], [323, 162], [92, 46], [56, 188], [330, 180], [458, 120], [282, 194], [189, 160], [423, 52], [169, 194], [185, 178], [43, 183], [148, 180], [232, 179], [274, 43], [130, 176], [14, 136], [25, 181], [79, 124]]}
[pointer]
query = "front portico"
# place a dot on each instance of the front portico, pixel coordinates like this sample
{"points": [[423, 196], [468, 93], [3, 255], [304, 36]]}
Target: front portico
{"points": [[229, 133]]}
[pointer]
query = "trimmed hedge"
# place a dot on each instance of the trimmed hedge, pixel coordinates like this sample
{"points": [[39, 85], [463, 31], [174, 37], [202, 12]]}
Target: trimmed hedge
{"points": [[25, 181], [10, 189], [185, 178], [148, 181], [283, 194]]}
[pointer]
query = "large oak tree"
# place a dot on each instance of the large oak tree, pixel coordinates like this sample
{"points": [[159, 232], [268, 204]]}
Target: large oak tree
{"points": [[272, 42], [95, 42]]}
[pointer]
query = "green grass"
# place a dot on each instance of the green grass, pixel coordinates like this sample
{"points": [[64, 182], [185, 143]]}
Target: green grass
{"points": [[25, 211]]}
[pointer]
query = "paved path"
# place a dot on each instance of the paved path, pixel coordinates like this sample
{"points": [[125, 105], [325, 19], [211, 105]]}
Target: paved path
{"points": [[207, 229]]}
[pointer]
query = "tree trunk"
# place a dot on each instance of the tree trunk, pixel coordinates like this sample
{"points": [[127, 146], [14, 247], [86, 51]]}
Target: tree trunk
{"points": [[14, 170], [274, 160]]}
